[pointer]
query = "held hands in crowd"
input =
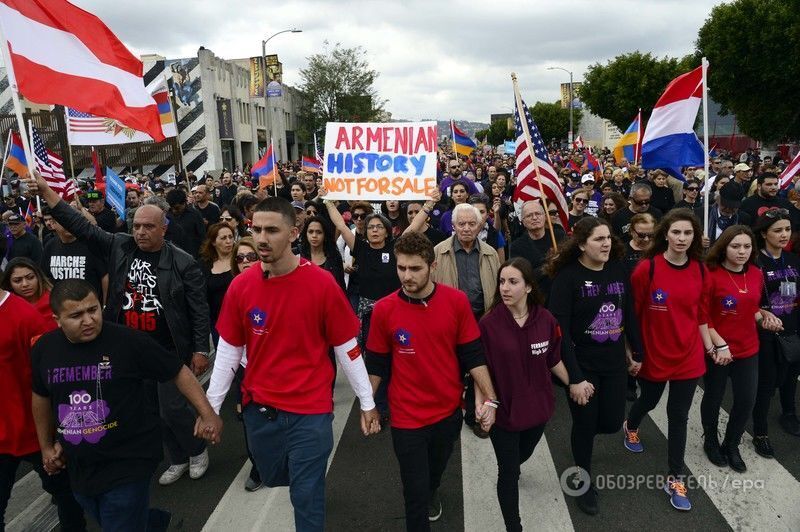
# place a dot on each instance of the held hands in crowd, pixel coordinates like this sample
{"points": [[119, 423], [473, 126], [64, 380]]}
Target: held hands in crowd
{"points": [[208, 427], [53, 459], [770, 322], [581, 392], [199, 364], [370, 422], [485, 414]]}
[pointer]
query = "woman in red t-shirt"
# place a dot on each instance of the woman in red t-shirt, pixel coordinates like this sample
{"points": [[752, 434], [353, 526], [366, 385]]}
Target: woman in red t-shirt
{"points": [[670, 290], [26, 279], [734, 308]]}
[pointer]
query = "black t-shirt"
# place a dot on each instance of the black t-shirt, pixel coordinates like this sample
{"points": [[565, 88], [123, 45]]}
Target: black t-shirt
{"points": [[622, 219], [73, 261], [786, 269], [632, 258], [377, 270], [434, 235], [106, 220], [210, 213], [143, 309], [26, 246], [105, 421], [216, 286]]}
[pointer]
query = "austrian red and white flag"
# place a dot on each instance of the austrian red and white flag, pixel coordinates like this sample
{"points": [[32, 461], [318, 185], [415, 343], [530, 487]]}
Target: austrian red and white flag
{"points": [[785, 179], [63, 55]]}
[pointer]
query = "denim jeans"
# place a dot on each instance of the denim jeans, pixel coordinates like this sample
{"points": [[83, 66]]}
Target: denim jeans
{"points": [[125, 508], [292, 450]]}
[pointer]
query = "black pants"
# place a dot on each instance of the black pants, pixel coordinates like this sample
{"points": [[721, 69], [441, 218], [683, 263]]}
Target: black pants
{"points": [[773, 372], [603, 414], [70, 513], [512, 449], [744, 381], [423, 454], [681, 393]]}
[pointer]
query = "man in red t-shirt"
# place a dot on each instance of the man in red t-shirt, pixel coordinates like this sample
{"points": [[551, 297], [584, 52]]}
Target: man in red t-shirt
{"points": [[22, 324], [428, 334], [286, 392]]}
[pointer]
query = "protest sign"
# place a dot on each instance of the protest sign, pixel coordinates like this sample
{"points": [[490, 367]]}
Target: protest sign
{"points": [[115, 192], [377, 162], [510, 147]]}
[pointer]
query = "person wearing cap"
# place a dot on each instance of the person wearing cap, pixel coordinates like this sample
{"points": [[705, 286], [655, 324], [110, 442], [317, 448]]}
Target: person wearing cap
{"points": [[573, 182], [742, 174], [726, 212], [24, 244], [766, 196], [595, 197], [106, 219]]}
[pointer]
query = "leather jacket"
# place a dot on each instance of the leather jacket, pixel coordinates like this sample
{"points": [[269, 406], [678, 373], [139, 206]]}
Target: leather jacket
{"points": [[181, 284]]}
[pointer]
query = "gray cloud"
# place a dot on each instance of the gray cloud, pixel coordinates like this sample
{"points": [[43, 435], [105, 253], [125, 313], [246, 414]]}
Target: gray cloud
{"points": [[436, 59]]}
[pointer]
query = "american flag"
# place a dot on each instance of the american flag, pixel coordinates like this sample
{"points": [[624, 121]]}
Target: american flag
{"points": [[51, 167], [527, 184], [84, 122], [785, 179]]}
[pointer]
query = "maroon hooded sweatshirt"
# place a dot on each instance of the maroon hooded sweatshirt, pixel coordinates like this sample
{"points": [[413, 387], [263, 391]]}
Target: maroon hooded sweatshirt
{"points": [[519, 360]]}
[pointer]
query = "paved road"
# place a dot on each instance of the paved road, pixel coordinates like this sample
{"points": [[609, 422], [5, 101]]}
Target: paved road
{"points": [[364, 488]]}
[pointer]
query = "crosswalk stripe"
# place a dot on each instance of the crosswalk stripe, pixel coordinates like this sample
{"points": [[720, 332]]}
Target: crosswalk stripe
{"points": [[771, 507], [270, 508], [541, 500]]}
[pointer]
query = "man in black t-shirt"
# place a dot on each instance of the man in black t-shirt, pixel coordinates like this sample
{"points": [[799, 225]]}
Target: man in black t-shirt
{"points": [[65, 257], [106, 219], [23, 243], [638, 202], [207, 208], [90, 408]]}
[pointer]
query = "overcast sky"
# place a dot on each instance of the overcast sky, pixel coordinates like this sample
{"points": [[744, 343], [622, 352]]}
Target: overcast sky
{"points": [[436, 59]]}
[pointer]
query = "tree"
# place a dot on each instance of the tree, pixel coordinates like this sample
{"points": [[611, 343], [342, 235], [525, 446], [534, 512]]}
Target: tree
{"points": [[752, 48], [481, 134], [617, 90], [498, 132], [338, 86], [553, 120]]}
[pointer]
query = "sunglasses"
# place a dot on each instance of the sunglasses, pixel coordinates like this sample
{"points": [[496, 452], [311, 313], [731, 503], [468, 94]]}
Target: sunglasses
{"points": [[641, 202], [311, 212], [552, 213], [692, 189], [358, 216], [249, 257], [580, 200], [775, 212], [643, 236]]}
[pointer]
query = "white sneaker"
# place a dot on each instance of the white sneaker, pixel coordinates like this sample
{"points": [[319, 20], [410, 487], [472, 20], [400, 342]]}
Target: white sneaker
{"points": [[172, 474], [198, 465]]}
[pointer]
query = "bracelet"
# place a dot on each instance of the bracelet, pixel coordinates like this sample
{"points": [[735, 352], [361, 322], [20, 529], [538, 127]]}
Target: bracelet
{"points": [[490, 403], [711, 350], [722, 348]]}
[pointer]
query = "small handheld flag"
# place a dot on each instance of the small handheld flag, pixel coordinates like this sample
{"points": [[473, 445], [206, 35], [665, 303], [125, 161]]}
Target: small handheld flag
{"points": [[265, 169]]}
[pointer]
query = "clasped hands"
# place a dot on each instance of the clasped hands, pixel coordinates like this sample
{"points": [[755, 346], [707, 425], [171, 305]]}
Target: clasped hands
{"points": [[581, 392]]}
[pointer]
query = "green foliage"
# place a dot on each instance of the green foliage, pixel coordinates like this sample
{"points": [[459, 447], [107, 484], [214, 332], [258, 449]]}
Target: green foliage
{"points": [[481, 134], [617, 90], [553, 120], [338, 86], [753, 47], [498, 132]]}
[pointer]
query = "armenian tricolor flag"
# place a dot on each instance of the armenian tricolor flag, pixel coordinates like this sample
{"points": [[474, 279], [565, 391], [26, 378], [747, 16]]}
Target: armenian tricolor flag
{"points": [[462, 144], [29, 215], [16, 160], [265, 169], [630, 143], [310, 164]]}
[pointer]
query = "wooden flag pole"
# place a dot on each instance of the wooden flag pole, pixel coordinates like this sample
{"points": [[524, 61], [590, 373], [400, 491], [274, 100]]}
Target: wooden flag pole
{"points": [[274, 167], [526, 131]]}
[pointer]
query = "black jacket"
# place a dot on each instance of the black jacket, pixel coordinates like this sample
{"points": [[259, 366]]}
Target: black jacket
{"points": [[181, 285]]}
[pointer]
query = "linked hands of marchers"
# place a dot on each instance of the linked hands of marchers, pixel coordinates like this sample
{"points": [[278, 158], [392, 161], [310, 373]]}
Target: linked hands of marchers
{"points": [[370, 422]]}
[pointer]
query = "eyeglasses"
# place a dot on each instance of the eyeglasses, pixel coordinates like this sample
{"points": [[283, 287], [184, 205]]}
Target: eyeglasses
{"points": [[249, 257], [358, 216], [776, 212], [580, 200], [641, 202], [226, 218], [455, 168], [643, 236], [375, 227]]}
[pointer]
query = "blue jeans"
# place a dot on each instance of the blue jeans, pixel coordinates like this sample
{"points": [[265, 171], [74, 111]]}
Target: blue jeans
{"points": [[292, 450], [125, 508]]}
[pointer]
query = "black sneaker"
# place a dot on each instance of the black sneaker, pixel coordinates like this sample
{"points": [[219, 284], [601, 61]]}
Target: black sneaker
{"points": [[587, 502], [434, 507], [790, 424], [763, 446]]}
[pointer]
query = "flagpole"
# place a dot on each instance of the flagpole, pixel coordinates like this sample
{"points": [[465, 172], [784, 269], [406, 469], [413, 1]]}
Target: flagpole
{"points": [[12, 79], [31, 161], [5, 156], [524, 123], [705, 144], [637, 148], [274, 167], [453, 135]]}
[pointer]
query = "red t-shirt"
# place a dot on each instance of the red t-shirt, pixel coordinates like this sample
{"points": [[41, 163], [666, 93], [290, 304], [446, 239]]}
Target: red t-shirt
{"points": [[43, 307], [670, 308], [732, 311], [426, 383], [288, 324], [21, 324]]}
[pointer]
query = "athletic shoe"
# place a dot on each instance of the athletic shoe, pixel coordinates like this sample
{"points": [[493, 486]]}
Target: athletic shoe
{"points": [[172, 474], [763, 446], [198, 464], [677, 494], [434, 507], [252, 485], [790, 424], [631, 439], [587, 502]]}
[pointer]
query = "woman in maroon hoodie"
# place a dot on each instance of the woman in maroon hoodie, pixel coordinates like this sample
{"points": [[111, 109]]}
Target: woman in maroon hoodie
{"points": [[592, 300], [522, 344]]}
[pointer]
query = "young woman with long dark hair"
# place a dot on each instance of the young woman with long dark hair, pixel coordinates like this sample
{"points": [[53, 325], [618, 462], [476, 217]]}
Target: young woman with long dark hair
{"points": [[318, 245], [781, 270], [522, 345], [736, 288], [591, 299], [671, 290]]}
